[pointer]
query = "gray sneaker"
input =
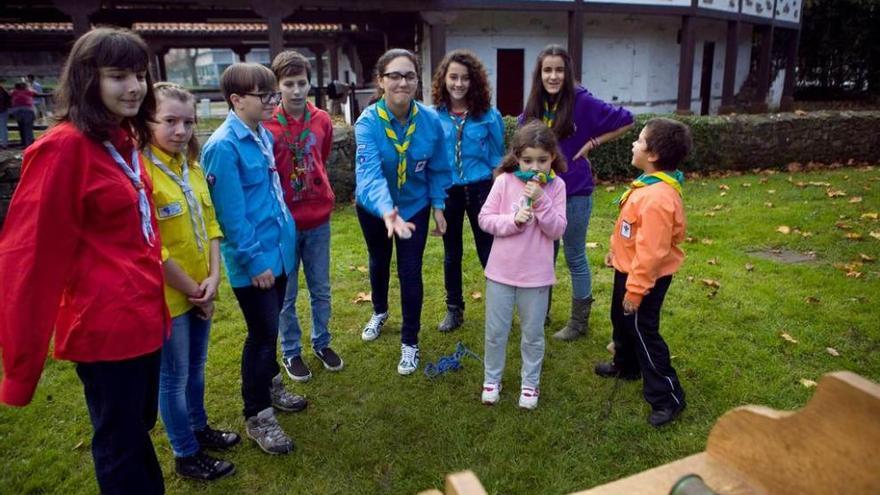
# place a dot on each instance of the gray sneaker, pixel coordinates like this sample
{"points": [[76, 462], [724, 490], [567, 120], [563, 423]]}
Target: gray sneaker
{"points": [[284, 400], [265, 430]]}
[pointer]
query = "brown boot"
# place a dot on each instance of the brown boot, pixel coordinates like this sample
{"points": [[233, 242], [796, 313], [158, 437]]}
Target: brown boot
{"points": [[578, 324]]}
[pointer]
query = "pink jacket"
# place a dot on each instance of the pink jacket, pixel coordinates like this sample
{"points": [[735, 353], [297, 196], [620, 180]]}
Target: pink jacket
{"points": [[522, 256]]}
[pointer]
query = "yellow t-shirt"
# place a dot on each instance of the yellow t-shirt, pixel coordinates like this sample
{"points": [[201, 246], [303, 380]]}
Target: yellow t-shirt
{"points": [[178, 237]]}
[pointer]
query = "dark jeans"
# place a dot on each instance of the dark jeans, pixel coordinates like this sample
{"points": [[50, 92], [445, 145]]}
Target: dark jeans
{"points": [[409, 268], [261, 308], [122, 397], [468, 199], [639, 347], [24, 117]]}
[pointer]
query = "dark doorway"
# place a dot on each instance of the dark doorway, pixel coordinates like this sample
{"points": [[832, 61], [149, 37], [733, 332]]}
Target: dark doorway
{"points": [[706, 79], [509, 81]]}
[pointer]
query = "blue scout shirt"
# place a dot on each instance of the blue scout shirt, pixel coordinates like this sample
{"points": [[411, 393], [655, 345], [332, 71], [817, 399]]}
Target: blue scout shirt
{"points": [[258, 232], [428, 171], [482, 145]]}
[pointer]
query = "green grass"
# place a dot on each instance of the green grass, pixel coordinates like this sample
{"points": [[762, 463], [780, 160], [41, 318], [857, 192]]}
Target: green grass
{"points": [[370, 431]]}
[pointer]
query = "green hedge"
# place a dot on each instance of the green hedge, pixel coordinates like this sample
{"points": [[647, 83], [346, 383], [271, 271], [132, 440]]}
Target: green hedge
{"points": [[743, 142]]}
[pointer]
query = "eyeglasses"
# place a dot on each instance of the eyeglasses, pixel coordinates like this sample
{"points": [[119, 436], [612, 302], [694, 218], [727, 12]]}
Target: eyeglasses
{"points": [[272, 98], [410, 77]]}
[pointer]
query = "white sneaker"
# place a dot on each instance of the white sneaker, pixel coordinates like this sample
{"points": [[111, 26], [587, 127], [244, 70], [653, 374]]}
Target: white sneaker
{"points": [[409, 359], [491, 393], [528, 397], [374, 327]]}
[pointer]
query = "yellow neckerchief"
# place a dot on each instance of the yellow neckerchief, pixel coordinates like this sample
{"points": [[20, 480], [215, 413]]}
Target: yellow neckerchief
{"points": [[675, 179], [410, 125]]}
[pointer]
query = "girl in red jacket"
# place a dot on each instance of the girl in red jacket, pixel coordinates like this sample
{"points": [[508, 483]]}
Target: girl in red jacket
{"points": [[80, 255]]}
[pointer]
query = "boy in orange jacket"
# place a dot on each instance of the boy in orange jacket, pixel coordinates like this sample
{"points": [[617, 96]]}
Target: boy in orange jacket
{"points": [[645, 253]]}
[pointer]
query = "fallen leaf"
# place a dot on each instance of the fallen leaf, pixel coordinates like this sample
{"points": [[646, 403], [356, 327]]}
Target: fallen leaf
{"points": [[476, 295], [806, 234], [746, 184], [855, 199], [610, 347], [854, 274], [708, 282], [808, 383], [843, 225], [78, 445], [811, 300], [713, 261], [723, 193], [870, 216], [794, 167], [363, 297], [783, 229], [835, 194], [819, 184], [750, 267], [707, 242], [362, 269], [764, 180], [868, 259], [709, 214], [690, 278], [610, 188], [771, 191], [724, 187], [768, 204], [875, 235], [800, 113], [592, 245], [785, 336], [854, 236], [832, 351]]}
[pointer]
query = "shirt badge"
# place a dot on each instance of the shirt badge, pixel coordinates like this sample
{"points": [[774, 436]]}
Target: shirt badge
{"points": [[211, 180], [420, 165], [170, 210], [625, 229]]}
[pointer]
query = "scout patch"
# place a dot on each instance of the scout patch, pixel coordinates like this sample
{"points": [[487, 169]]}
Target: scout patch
{"points": [[420, 165], [211, 180], [625, 229], [170, 210]]}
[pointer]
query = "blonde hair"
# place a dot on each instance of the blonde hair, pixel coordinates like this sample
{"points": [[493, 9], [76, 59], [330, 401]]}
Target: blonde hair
{"points": [[168, 90]]}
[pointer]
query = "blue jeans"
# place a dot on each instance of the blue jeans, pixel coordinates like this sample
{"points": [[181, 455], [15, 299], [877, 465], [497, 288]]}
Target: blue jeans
{"points": [[24, 116], [574, 245], [4, 131], [182, 382], [313, 249]]}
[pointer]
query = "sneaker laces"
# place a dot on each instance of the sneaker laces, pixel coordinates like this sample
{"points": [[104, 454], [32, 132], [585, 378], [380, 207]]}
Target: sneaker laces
{"points": [[408, 354], [205, 462], [272, 430], [375, 322]]}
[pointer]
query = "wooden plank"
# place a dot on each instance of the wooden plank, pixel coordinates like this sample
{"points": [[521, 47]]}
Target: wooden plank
{"points": [[464, 483]]}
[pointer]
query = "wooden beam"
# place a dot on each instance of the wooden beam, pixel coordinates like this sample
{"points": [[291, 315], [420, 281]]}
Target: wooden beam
{"points": [[319, 70], [759, 105], [731, 52], [685, 66], [576, 42], [791, 55], [276, 37]]}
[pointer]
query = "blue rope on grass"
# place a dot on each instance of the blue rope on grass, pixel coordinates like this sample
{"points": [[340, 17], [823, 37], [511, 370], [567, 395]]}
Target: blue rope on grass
{"points": [[451, 362]]}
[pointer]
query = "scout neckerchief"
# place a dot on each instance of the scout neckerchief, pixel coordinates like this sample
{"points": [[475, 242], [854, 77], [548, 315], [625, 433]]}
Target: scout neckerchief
{"points": [[540, 177], [196, 217], [410, 126], [674, 179], [549, 116], [458, 120], [133, 172], [297, 147], [273, 171]]}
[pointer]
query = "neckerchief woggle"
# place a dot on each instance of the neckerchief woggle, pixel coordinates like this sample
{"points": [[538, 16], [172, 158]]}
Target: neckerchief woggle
{"points": [[410, 126], [273, 171], [674, 179], [539, 177], [133, 172], [458, 122], [549, 116], [297, 146], [196, 216]]}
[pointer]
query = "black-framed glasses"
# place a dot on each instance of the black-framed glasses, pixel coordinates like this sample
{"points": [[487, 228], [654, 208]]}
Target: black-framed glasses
{"points": [[272, 98], [410, 77]]}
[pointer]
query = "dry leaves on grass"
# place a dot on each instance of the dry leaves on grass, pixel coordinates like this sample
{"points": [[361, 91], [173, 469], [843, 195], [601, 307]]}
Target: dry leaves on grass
{"points": [[610, 188], [788, 338], [832, 351], [783, 229], [855, 199], [360, 268], [768, 204], [592, 245], [712, 261], [835, 193], [724, 187], [811, 300], [866, 258], [853, 236], [476, 295], [363, 297], [708, 282], [870, 216], [707, 242], [750, 267], [808, 383]]}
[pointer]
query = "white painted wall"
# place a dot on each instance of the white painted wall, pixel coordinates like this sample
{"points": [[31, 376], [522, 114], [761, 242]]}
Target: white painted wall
{"points": [[627, 60]]}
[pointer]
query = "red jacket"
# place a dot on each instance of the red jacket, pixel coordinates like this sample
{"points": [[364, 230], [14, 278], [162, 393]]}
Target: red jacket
{"points": [[311, 198], [73, 260]]}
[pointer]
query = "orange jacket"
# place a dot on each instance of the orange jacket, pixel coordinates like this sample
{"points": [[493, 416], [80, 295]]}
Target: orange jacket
{"points": [[644, 243]]}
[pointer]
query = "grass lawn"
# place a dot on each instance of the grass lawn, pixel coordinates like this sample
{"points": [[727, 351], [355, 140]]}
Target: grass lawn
{"points": [[370, 431]]}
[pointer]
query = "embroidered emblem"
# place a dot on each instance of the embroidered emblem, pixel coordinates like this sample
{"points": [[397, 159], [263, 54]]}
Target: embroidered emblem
{"points": [[170, 210], [211, 180], [625, 229], [420, 165]]}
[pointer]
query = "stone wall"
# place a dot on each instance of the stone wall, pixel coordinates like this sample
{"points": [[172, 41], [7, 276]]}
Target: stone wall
{"points": [[10, 170]]}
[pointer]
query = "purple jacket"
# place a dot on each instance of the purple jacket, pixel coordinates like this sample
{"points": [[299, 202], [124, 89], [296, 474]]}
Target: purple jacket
{"points": [[592, 118]]}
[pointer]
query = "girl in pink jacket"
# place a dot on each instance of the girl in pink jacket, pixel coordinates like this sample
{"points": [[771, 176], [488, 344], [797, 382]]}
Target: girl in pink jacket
{"points": [[525, 211]]}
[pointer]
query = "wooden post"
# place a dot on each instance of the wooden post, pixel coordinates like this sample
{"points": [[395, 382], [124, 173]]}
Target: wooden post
{"points": [[242, 52], [319, 71], [791, 53], [79, 11], [731, 52], [160, 64], [438, 22], [685, 66], [274, 11], [276, 36], [759, 105], [576, 42], [335, 105]]}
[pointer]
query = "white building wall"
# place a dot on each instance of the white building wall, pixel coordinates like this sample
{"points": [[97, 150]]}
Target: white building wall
{"points": [[627, 60]]}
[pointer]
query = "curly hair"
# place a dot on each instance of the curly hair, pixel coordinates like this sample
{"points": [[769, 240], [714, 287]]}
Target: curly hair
{"points": [[479, 95]]}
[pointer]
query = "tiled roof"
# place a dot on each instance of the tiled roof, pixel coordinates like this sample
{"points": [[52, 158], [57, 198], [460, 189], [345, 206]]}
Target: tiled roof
{"points": [[178, 27]]}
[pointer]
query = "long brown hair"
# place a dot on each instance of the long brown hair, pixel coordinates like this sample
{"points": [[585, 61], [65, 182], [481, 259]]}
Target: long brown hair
{"points": [[78, 95], [169, 90], [478, 97], [563, 125], [533, 134], [382, 64]]}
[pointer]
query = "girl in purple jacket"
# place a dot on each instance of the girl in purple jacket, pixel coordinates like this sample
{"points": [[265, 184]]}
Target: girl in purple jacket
{"points": [[581, 122]]}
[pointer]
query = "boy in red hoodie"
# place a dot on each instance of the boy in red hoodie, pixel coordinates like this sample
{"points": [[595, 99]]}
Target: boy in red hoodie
{"points": [[645, 253], [303, 139]]}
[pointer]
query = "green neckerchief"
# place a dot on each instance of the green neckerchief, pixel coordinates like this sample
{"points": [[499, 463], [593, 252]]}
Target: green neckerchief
{"points": [[297, 146], [539, 177], [674, 179], [410, 126]]}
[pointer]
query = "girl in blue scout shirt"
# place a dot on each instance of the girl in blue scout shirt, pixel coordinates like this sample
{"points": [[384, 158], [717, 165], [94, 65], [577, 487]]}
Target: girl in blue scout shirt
{"points": [[402, 171], [474, 135], [258, 241]]}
